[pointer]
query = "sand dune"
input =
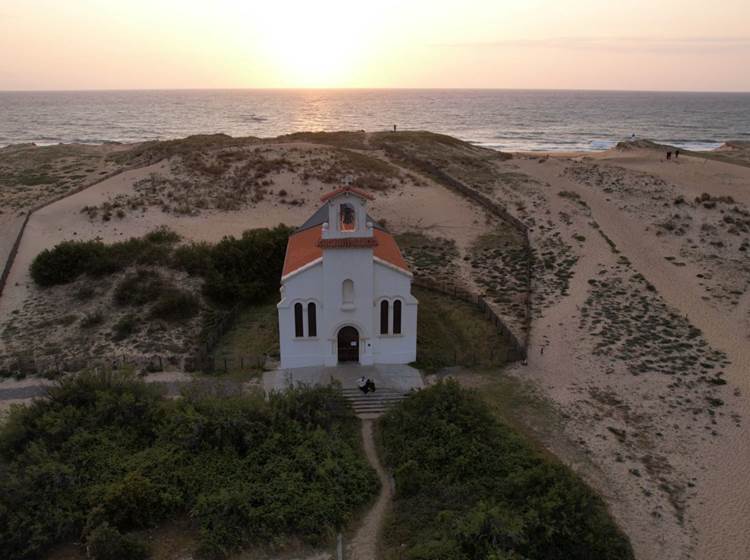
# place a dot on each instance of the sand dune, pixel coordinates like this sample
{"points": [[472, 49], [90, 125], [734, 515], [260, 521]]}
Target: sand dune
{"points": [[625, 273]]}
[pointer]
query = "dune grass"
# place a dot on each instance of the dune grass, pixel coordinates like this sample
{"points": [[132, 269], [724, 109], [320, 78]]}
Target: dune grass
{"points": [[454, 332], [254, 334]]}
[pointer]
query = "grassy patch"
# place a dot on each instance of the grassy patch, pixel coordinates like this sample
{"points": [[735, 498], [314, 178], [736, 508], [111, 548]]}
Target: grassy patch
{"points": [[500, 261], [451, 332], [106, 456], [341, 139], [431, 257], [254, 334], [470, 487]]}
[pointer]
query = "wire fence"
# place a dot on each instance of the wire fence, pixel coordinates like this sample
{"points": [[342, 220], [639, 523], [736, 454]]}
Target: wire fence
{"points": [[517, 349], [53, 366], [17, 243], [499, 211]]}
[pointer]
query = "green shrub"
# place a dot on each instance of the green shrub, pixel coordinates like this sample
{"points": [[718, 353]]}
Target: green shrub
{"points": [[194, 258], [70, 259], [107, 453], [246, 269], [125, 327], [107, 543], [92, 319], [162, 234], [468, 487], [176, 305], [141, 287]]}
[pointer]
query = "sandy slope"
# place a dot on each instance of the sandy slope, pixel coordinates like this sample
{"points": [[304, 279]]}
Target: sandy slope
{"points": [[446, 215], [718, 505]]}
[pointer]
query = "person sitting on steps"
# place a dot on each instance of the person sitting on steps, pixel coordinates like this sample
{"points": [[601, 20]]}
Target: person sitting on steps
{"points": [[366, 385], [362, 383]]}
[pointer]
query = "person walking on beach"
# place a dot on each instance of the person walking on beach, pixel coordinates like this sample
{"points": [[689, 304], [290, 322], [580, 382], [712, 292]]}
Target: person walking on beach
{"points": [[394, 128], [669, 155], [676, 154]]}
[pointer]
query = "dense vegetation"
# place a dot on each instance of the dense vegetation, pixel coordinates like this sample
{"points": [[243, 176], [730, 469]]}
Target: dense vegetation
{"points": [[235, 269], [107, 455], [68, 260], [469, 488], [245, 269]]}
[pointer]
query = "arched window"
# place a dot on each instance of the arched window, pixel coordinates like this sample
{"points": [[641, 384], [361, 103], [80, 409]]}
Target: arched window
{"points": [[347, 291], [298, 320], [384, 317], [312, 321], [397, 317], [347, 218]]}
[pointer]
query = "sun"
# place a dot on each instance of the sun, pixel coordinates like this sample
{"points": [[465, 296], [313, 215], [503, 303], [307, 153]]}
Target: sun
{"points": [[313, 44]]}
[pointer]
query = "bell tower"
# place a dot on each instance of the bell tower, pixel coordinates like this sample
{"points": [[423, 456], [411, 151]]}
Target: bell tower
{"points": [[347, 214], [347, 241]]}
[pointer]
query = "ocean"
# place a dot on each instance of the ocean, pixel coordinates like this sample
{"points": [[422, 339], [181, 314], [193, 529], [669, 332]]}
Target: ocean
{"points": [[511, 120]]}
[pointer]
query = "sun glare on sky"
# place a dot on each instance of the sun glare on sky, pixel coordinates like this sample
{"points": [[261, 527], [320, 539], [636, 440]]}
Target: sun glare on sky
{"points": [[580, 44], [316, 47]]}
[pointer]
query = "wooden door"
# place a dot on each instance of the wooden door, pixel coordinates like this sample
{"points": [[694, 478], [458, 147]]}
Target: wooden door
{"points": [[348, 342]]}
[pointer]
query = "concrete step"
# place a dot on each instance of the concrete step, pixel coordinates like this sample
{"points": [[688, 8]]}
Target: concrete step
{"points": [[372, 404]]}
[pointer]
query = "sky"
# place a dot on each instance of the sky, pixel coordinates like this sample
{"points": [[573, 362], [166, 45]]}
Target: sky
{"points": [[673, 45]]}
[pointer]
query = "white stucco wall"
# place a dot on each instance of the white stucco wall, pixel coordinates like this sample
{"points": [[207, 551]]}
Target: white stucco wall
{"points": [[391, 284], [303, 287]]}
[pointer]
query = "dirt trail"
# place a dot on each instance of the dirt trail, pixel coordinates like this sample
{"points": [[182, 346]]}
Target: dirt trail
{"points": [[364, 545]]}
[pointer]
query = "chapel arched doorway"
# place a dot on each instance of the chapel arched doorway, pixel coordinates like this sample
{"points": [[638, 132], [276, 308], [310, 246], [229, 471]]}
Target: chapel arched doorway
{"points": [[348, 344]]}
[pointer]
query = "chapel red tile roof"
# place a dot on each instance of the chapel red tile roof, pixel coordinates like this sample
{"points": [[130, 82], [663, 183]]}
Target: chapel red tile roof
{"points": [[306, 246], [344, 190], [347, 242]]}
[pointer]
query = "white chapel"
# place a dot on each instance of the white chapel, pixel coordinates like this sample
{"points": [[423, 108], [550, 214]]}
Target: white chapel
{"points": [[345, 290]]}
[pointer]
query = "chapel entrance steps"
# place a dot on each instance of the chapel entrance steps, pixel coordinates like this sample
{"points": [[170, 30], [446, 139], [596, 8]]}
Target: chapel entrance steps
{"points": [[372, 405]]}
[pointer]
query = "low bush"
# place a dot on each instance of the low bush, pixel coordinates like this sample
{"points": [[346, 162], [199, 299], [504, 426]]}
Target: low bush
{"points": [[107, 543], [176, 305], [125, 327], [469, 488], [106, 454], [92, 319], [245, 269], [141, 287], [70, 259]]}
